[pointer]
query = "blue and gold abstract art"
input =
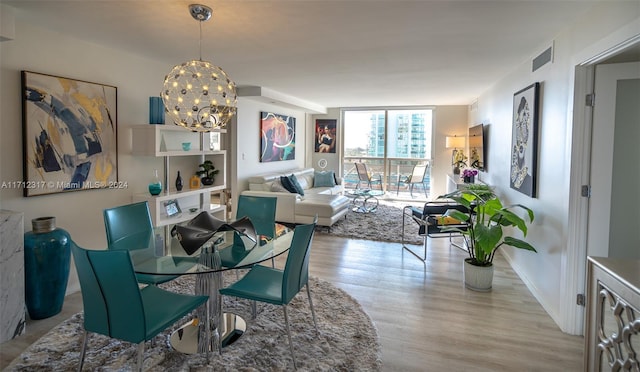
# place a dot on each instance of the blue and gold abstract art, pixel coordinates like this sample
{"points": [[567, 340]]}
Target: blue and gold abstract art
{"points": [[69, 134]]}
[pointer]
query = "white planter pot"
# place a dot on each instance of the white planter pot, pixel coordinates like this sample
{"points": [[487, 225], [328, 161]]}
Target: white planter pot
{"points": [[478, 278]]}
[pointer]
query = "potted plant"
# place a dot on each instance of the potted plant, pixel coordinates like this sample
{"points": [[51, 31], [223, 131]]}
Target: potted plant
{"points": [[469, 175], [487, 217], [459, 161], [207, 173]]}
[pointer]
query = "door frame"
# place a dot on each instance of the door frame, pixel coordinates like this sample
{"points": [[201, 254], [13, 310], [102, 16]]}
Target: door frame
{"points": [[575, 256]]}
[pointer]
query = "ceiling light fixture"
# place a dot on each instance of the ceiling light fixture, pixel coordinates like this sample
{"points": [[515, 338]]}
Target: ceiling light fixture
{"points": [[199, 95]]}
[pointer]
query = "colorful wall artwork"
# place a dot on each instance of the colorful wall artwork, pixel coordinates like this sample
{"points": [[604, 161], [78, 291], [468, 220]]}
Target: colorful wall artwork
{"points": [[278, 137], [69, 135], [326, 135]]}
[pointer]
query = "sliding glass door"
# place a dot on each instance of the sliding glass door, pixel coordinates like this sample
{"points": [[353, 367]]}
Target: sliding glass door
{"points": [[390, 142]]}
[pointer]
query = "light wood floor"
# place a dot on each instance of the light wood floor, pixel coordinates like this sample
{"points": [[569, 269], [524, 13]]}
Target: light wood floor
{"points": [[426, 319]]}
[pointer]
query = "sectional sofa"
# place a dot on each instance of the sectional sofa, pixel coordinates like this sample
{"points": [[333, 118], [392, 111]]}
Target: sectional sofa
{"points": [[325, 199]]}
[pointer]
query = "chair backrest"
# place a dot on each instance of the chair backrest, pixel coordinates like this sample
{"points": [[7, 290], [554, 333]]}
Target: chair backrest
{"points": [[131, 222], [261, 211], [363, 172], [435, 208], [296, 269], [419, 172], [110, 294]]}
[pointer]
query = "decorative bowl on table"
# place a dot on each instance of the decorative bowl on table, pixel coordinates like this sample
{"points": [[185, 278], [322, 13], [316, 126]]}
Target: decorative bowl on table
{"points": [[186, 146]]}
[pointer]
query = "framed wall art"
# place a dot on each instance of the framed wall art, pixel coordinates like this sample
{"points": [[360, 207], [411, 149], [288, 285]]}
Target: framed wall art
{"points": [[326, 135], [524, 140], [172, 207], [69, 134], [278, 137]]}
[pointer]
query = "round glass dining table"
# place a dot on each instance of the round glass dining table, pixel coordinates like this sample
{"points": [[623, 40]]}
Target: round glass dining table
{"points": [[206, 266]]}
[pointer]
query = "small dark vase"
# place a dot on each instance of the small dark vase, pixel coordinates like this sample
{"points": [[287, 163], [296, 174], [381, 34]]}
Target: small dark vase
{"points": [[469, 179], [206, 181], [179, 183], [47, 256]]}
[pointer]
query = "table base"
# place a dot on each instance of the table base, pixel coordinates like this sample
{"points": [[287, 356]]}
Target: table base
{"points": [[185, 339], [365, 203]]}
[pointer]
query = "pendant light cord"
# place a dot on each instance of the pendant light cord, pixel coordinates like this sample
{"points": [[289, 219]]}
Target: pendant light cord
{"points": [[200, 40]]}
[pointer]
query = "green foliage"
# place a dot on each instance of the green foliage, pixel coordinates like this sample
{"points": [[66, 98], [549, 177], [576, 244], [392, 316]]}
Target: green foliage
{"points": [[208, 170], [485, 234]]}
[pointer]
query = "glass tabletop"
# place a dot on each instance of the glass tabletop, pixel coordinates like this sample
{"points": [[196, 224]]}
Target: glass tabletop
{"points": [[175, 261], [365, 192]]}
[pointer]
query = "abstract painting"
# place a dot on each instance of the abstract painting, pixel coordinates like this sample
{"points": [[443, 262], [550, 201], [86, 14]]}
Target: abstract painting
{"points": [[524, 140], [326, 135], [278, 137], [69, 134]]}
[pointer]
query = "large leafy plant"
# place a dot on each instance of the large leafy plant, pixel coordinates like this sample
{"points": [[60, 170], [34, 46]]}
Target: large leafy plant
{"points": [[486, 219]]}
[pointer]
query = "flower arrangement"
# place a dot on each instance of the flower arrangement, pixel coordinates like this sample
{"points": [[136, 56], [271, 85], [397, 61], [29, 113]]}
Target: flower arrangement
{"points": [[459, 159], [469, 173], [475, 158]]}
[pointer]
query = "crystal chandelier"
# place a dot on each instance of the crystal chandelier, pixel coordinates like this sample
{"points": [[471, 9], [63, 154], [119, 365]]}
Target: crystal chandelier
{"points": [[199, 95]]}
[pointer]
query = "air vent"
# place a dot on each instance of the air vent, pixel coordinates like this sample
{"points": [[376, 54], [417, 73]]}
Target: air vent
{"points": [[541, 60]]}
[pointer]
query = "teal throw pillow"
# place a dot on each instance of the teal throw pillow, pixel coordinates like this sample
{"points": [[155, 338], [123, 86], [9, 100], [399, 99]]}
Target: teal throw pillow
{"points": [[324, 179], [296, 184], [286, 183]]}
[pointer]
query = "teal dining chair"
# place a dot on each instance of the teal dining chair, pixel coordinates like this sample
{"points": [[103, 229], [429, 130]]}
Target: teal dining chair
{"points": [[115, 306], [278, 287], [262, 213], [129, 227]]}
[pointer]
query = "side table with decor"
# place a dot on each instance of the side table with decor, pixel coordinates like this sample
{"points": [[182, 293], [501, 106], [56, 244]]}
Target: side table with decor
{"points": [[47, 256]]}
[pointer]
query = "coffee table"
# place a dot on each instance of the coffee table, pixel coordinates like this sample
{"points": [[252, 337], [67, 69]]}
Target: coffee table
{"points": [[365, 200]]}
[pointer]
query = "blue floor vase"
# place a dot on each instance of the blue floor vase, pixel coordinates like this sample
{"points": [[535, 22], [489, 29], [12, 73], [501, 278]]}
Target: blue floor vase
{"points": [[47, 255]]}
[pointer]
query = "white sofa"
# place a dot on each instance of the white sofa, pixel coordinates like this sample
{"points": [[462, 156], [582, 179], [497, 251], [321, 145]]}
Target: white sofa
{"points": [[328, 203]]}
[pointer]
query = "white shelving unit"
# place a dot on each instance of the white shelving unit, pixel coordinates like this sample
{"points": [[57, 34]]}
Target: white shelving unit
{"points": [[166, 141]]}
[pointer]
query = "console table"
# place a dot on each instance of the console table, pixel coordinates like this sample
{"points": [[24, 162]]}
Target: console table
{"points": [[455, 182], [612, 332]]}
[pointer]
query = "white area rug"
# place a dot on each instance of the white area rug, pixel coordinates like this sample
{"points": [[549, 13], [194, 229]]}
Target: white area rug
{"points": [[348, 340]]}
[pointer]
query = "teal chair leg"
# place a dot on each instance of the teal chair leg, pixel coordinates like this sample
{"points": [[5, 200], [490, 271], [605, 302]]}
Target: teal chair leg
{"points": [[286, 321], [85, 338], [313, 313]]}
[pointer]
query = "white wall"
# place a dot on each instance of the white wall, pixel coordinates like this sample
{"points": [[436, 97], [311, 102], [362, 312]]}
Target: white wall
{"points": [[624, 234], [247, 152], [39, 50], [447, 121], [542, 271], [80, 213], [333, 159]]}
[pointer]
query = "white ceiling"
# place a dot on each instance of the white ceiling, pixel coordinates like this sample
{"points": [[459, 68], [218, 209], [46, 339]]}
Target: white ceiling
{"points": [[332, 53]]}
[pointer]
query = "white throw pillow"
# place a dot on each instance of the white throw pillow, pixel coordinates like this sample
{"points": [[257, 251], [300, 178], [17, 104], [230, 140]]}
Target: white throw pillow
{"points": [[276, 186], [304, 182]]}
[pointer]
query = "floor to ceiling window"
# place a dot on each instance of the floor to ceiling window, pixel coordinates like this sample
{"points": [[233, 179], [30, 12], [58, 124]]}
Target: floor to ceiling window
{"points": [[390, 142]]}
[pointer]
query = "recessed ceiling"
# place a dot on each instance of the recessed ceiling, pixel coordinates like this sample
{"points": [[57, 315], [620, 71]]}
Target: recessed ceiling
{"points": [[331, 53]]}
